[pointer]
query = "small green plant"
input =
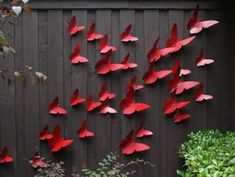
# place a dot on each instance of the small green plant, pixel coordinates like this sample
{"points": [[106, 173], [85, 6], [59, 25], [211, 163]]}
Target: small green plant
{"points": [[208, 154], [53, 169], [111, 166]]}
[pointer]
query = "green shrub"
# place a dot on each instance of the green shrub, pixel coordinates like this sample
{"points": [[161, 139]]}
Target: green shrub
{"points": [[208, 154], [111, 166]]}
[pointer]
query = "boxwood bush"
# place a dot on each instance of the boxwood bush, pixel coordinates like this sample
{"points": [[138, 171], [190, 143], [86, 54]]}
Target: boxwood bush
{"points": [[208, 154]]}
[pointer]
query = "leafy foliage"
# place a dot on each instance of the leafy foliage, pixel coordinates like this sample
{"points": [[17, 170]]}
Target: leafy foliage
{"points": [[111, 166], [23, 75], [208, 154], [53, 169], [8, 10]]}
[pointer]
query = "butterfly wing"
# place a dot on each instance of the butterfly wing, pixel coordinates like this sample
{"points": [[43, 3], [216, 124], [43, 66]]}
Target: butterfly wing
{"points": [[44, 135], [180, 117], [4, 157], [185, 85], [202, 24]]}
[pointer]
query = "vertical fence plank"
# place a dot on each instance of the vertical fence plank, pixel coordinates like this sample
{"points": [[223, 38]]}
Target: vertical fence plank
{"points": [[152, 92], [30, 54], [7, 110], [230, 16], [116, 80], [93, 89], [67, 76], [19, 100], [42, 66], [218, 110], [79, 80], [103, 122], [55, 73], [164, 34], [198, 111]]}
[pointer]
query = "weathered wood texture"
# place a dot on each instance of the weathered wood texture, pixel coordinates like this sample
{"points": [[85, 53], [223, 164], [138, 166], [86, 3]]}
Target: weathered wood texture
{"points": [[41, 41]]}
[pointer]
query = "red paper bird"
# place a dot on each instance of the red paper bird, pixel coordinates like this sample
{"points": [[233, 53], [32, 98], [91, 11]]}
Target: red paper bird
{"points": [[75, 100], [91, 105], [129, 146], [199, 96], [37, 161], [195, 25], [180, 117], [126, 64], [152, 75], [177, 43], [105, 108], [201, 61], [104, 65], [73, 28], [91, 35], [132, 84], [58, 142], [104, 47], [104, 94], [83, 132], [171, 106], [5, 157], [55, 108], [44, 135], [129, 106], [155, 53], [141, 132], [76, 58], [177, 65], [126, 35]]}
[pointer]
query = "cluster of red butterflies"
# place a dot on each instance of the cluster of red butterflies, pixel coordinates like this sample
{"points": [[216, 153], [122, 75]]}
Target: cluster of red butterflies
{"points": [[128, 105]]}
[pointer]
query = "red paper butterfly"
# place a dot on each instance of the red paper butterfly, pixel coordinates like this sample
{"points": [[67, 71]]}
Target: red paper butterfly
{"points": [[129, 146], [83, 132], [91, 35], [55, 108], [75, 57], [104, 94], [171, 106], [58, 142], [37, 161], [129, 106], [177, 65], [44, 135], [152, 75], [178, 85], [141, 132], [185, 85], [132, 84], [73, 28], [180, 117], [155, 53], [199, 96], [4, 157], [201, 61], [104, 47], [75, 100], [126, 35], [195, 25], [104, 65], [126, 64], [105, 109], [91, 105], [175, 42]]}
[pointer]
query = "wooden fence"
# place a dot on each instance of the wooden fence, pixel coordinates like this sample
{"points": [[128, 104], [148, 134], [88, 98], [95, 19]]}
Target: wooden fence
{"points": [[41, 41]]}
